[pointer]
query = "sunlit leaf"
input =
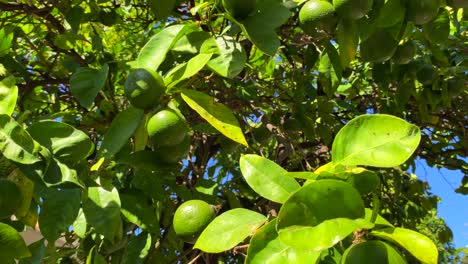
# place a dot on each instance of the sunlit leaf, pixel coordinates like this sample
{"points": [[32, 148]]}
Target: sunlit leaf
{"points": [[12, 244], [15, 143], [8, 96]]}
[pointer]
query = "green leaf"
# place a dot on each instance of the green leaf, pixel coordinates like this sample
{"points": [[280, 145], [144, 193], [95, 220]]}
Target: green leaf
{"points": [[391, 13], [365, 181], [260, 28], [102, 211], [86, 83], [231, 60], [155, 50], [161, 8], [306, 175], [267, 178], [67, 143], [5, 42], [379, 221], [136, 210], [58, 211], [320, 214], [375, 140], [348, 40], [38, 250], [417, 244], [266, 247], [232, 226], [8, 96], [27, 189], [121, 129], [137, 249], [217, 114], [330, 69], [437, 31], [186, 70], [15, 143], [12, 244], [79, 225]]}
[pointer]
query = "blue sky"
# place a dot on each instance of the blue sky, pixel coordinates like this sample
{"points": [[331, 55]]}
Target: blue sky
{"points": [[454, 207]]}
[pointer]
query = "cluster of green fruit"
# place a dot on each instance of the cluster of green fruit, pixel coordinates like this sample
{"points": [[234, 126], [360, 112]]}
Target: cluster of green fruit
{"points": [[167, 128], [386, 18], [191, 218]]}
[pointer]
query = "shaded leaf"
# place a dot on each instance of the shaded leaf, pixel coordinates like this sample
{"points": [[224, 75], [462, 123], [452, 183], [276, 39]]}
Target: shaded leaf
{"points": [[135, 209], [375, 140], [186, 70], [348, 40], [86, 83], [27, 189], [267, 178], [161, 8], [260, 28], [67, 143], [122, 128], [137, 249], [58, 211], [231, 60], [102, 211], [233, 226], [217, 114]]}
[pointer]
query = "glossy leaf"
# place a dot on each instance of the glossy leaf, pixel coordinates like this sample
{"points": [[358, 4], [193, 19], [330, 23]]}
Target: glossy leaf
{"points": [[233, 226], [379, 221], [67, 143], [231, 60], [8, 96], [58, 211], [137, 249], [155, 50], [135, 209], [218, 115], [260, 29], [122, 128], [58, 174], [186, 70], [375, 140], [86, 83], [102, 211], [306, 220], [79, 225], [266, 247], [417, 244], [38, 250], [322, 236], [12, 244], [267, 178], [15, 143], [348, 40], [27, 188]]}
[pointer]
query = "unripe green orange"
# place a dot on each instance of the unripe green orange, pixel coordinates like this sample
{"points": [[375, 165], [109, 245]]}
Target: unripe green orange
{"points": [[173, 154], [191, 218], [373, 251], [144, 88], [353, 9], [167, 128], [317, 14]]}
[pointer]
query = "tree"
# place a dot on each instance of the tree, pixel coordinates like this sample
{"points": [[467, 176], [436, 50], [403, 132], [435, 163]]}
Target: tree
{"points": [[301, 129]]}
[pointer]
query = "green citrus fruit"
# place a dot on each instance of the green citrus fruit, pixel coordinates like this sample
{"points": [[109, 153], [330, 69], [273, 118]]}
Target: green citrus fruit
{"points": [[458, 3], [426, 74], [422, 11], [172, 154], [378, 47], [353, 9], [317, 14], [167, 128], [239, 9], [191, 218], [6, 167], [144, 88], [373, 251], [10, 198], [404, 53]]}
